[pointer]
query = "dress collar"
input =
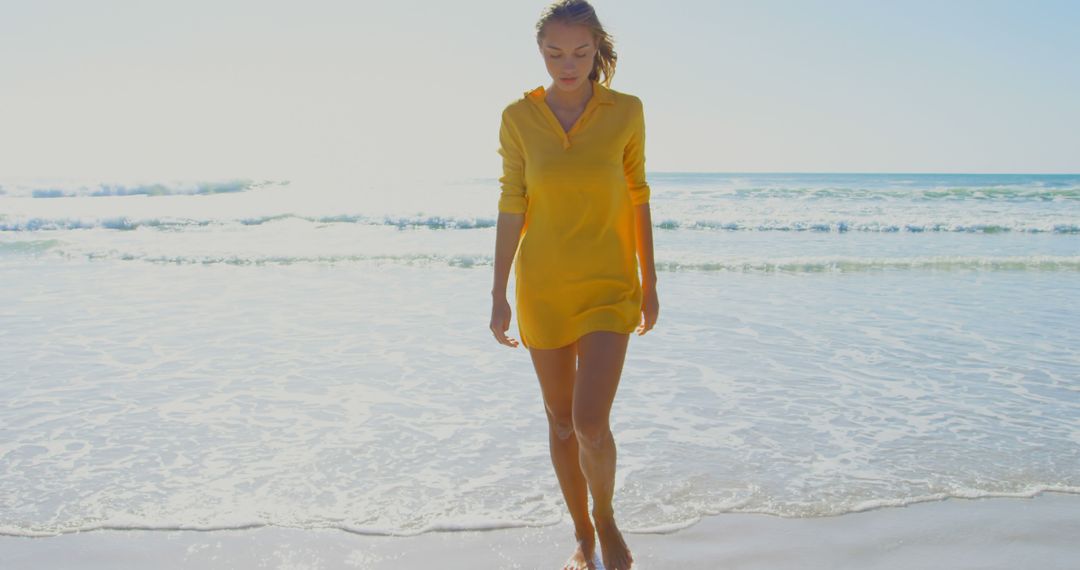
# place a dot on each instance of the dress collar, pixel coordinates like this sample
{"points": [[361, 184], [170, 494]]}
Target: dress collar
{"points": [[603, 95]]}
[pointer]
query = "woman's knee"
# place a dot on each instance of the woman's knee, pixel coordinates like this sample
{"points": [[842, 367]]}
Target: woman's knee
{"points": [[562, 425], [591, 431]]}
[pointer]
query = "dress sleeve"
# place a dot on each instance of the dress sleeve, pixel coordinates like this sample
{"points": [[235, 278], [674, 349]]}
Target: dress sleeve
{"points": [[513, 198], [634, 160]]}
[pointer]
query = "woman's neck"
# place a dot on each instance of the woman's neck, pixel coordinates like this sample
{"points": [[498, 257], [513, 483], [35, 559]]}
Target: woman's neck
{"points": [[575, 99]]}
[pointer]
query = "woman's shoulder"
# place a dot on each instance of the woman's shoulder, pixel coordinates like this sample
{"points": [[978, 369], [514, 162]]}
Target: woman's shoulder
{"points": [[621, 99], [517, 104]]}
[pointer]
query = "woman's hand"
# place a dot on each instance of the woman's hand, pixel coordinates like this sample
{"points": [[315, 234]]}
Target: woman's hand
{"points": [[500, 321], [650, 309]]}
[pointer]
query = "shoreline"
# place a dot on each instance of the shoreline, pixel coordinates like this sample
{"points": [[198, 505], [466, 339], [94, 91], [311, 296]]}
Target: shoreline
{"points": [[996, 532]]}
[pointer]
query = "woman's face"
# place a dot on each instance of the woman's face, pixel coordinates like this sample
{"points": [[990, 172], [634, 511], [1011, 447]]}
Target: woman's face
{"points": [[569, 52]]}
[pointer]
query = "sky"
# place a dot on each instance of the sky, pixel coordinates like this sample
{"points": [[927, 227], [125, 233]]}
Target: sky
{"points": [[350, 90]]}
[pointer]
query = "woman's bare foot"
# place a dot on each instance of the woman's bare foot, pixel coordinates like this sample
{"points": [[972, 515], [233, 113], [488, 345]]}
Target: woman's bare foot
{"points": [[582, 559], [612, 546]]}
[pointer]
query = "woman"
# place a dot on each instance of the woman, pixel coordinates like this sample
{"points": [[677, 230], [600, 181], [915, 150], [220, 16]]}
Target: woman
{"points": [[574, 194]]}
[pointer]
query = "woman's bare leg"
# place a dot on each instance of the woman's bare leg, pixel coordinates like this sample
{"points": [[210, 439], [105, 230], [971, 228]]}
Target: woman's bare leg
{"points": [[556, 370], [601, 355]]}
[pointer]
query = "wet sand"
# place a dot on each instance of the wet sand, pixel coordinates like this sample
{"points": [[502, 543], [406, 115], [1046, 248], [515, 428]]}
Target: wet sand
{"points": [[957, 533]]}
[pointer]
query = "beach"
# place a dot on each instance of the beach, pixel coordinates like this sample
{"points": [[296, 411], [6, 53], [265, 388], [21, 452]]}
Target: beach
{"points": [[1000, 533], [848, 371], [248, 257]]}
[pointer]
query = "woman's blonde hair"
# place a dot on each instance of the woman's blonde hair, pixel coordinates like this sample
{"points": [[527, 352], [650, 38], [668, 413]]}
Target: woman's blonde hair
{"points": [[581, 12]]}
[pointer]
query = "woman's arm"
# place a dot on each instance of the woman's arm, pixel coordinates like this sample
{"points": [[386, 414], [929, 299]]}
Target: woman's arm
{"points": [[507, 236], [643, 225], [513, 203], [638, 186]]}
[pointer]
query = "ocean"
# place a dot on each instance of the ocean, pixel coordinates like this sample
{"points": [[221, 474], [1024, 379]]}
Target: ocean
{"points": [[239, 353]]}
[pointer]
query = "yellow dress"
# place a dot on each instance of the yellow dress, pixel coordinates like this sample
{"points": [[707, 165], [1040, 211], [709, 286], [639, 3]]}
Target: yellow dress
{"points": [[576, 267]]}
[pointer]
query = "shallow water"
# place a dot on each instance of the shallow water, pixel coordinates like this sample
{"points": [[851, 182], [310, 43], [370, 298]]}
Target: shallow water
{"points": [[316, 357]]}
